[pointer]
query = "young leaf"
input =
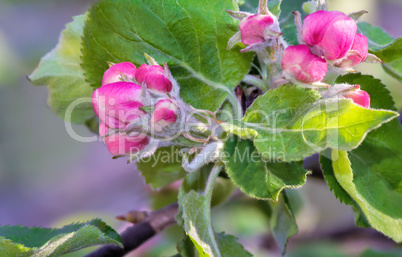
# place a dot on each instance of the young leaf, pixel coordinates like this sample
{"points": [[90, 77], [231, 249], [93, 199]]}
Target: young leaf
{"points": [[377, 37], [339, 192], [61, 72], [190, 36], [162, 168], [24, 241], [295, 122], [196, 218], [256, 176], [391, 55], [376, 163], [229, 246], [283, 222], [186, 248], [377, 193], [274, 7]]}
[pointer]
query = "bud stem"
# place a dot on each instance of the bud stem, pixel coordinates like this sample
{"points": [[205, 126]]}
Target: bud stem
{"points": [[263, 7]]}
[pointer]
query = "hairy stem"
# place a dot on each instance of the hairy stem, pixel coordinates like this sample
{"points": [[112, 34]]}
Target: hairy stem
{"points": [[263, 7]]}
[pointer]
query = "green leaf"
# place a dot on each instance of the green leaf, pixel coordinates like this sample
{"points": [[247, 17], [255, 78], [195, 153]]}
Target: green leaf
{"points": [[8, 248], [61, 72], [274, 7], [162, 168], [377, 37], [376, 162], [186, 248], [256, 176], [339, 192], [41, 242], [229, 246], [377, 195], [190, 36], [291, 122], [195, 215], [391, 55], [283, 222]]}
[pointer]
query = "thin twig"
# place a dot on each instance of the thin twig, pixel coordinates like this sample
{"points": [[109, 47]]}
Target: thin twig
{"points": [[136, 235]]}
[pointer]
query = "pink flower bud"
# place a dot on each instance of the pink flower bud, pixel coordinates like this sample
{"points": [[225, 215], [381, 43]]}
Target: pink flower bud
{"points": [[358, 96], [154, 77], [118, 104], [252, 28], [329, 33], [299, 63], [120, 144], [165, 113], [118, 71], [357, 53]]}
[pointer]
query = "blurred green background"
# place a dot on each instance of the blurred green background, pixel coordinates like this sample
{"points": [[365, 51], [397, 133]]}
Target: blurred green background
{"points": [[49, 179]]}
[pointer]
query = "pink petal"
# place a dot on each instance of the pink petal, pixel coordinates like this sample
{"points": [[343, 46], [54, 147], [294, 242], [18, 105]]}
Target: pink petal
{"points": [[360, 45], [118, 104], [359, 97], [330, 33], [165, 112], [154, 78], [300, 63], [114, 73], [121, 144]]}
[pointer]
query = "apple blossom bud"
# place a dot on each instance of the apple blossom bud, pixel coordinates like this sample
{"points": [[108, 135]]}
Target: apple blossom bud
{"points": [[165, 113], [120, 144], [153, 76], [301, 64], [118, 104], [358, 96], [329, 33], [357, 53], [119, 72], [252, 28]]}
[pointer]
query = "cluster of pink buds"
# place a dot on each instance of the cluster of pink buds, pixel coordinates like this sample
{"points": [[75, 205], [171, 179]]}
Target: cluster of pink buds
{"points": [[331, 36], [125, 105], [327, 38]]}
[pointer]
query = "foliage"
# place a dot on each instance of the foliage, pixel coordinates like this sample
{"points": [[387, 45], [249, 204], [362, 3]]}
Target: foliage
{"points": [[36, 241], [260, 152]]}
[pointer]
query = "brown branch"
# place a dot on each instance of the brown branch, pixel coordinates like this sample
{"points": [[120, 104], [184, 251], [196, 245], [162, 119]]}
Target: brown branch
{"points": [[139, 233]]}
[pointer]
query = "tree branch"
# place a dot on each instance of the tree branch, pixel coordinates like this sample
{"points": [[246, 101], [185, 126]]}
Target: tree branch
{"points": [[137, 234]]}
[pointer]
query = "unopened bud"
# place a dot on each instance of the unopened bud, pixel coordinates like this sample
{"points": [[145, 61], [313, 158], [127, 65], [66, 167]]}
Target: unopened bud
{"points": [[119, 72], [253, 28], [120, 144], [300, 63], [165, 114], [154, 77], [358, 96], [329, 33]]}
